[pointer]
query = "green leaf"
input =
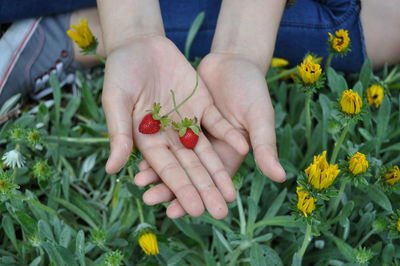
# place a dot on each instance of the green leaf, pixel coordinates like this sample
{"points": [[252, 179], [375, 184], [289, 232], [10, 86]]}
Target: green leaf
{"points": [[54, 83], [9, 104], [36, 261], [188, 230], [194, 28], [366, 73], [392, 147], [383, 120], [8, 227], [81, 214], [45, 232], [54, 255], [285, 142], [388, 254], [28, 223], [182, 131], [358, 87], [285, 221], [88, 102], [65, 236], [70, 110], [336, 82], [223, 240], [178, 257], [276, 204], [345, 249], [326, 106], [257, 256], [379, 197], [80, 247]]}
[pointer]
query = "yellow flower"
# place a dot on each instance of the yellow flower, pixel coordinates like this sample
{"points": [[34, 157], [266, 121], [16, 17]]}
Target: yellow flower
{"points": [[82, 35], [351, 102], [279, 62], [309, 70], [375, 95], [340, 42], [320, 173], [305, 203], [358, 164], [392, 176], [148, 242], [398, 225]]}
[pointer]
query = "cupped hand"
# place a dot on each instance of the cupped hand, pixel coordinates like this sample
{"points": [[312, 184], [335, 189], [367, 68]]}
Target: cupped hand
{"points": [[143, 72], [240, 93]]}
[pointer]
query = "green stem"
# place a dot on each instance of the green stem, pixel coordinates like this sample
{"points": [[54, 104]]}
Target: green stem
{"points": [[306, 241], [282, 74], [308, 117], [100, 58], [77, 140], [241, 214], [328, 61], [140, 210], [174, 102], [187, 98], [339, 142], [366, 237], [339, 196]]}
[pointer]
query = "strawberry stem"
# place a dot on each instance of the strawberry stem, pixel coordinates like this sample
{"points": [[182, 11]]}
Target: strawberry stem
{"points": [[186, 99], [174, 102]]}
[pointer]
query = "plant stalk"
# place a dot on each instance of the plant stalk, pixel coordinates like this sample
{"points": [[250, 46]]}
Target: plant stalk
{"points": [[100, 58], [328, 61], [282, 74], [187, 98], [306, 241], [308, 117], [339, 142], [140, 210]]}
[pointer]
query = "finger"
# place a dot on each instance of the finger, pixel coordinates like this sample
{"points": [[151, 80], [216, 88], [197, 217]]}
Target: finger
{"points": [[158, 194], [217, 126], [169, 169], [146, 177], [263, 139], [175, 210], [215, 168], [230, 158], [118, 111], [143, 165], [211, 196]]}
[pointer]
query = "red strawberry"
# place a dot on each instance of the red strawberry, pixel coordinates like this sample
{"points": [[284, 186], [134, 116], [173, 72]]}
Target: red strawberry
{"points": [[190, 139], [152, 122], [188, 132], [149, 125]]}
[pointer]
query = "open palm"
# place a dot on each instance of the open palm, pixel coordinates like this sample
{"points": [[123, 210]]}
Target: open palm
{"points": [[141, 73], [240, 93]]}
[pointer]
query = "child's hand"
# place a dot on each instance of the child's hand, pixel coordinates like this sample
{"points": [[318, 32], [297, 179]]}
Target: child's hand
{"points": [[240, 92], [143, 72]]}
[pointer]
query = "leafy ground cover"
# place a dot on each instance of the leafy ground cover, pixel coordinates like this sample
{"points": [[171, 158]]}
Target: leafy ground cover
{"points": [[59, 207]]}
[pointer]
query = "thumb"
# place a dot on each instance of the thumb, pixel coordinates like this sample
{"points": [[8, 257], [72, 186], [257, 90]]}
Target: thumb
{"points": [[118, 110], [261, 128]]}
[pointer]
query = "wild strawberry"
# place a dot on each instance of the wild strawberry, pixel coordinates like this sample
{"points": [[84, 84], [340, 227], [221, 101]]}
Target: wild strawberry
{"points": [[149, 125], [152, 122], [188, 132], [190, 139]]}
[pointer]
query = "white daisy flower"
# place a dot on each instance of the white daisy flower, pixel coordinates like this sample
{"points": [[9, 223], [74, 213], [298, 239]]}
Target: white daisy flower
{"points": [[13, 159]]}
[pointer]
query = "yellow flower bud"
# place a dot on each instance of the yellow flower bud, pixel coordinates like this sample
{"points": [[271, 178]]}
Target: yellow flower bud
{"points": [[351, 102], [82, 35], [279, 62], [375, 95], [392, 176], [309, 70], [305, 203], [321, 174], [358, 164], [340, 42], [148, 242]]}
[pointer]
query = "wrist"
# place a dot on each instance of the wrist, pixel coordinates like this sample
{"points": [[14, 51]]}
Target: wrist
{"points": [[125, 20]]}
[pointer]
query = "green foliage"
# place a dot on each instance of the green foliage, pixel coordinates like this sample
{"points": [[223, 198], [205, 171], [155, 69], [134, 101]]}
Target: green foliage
{"points": [[61, 208]]}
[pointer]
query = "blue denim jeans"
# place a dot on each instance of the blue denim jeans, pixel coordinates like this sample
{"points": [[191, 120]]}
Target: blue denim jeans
{"points": [[304, 26]]}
